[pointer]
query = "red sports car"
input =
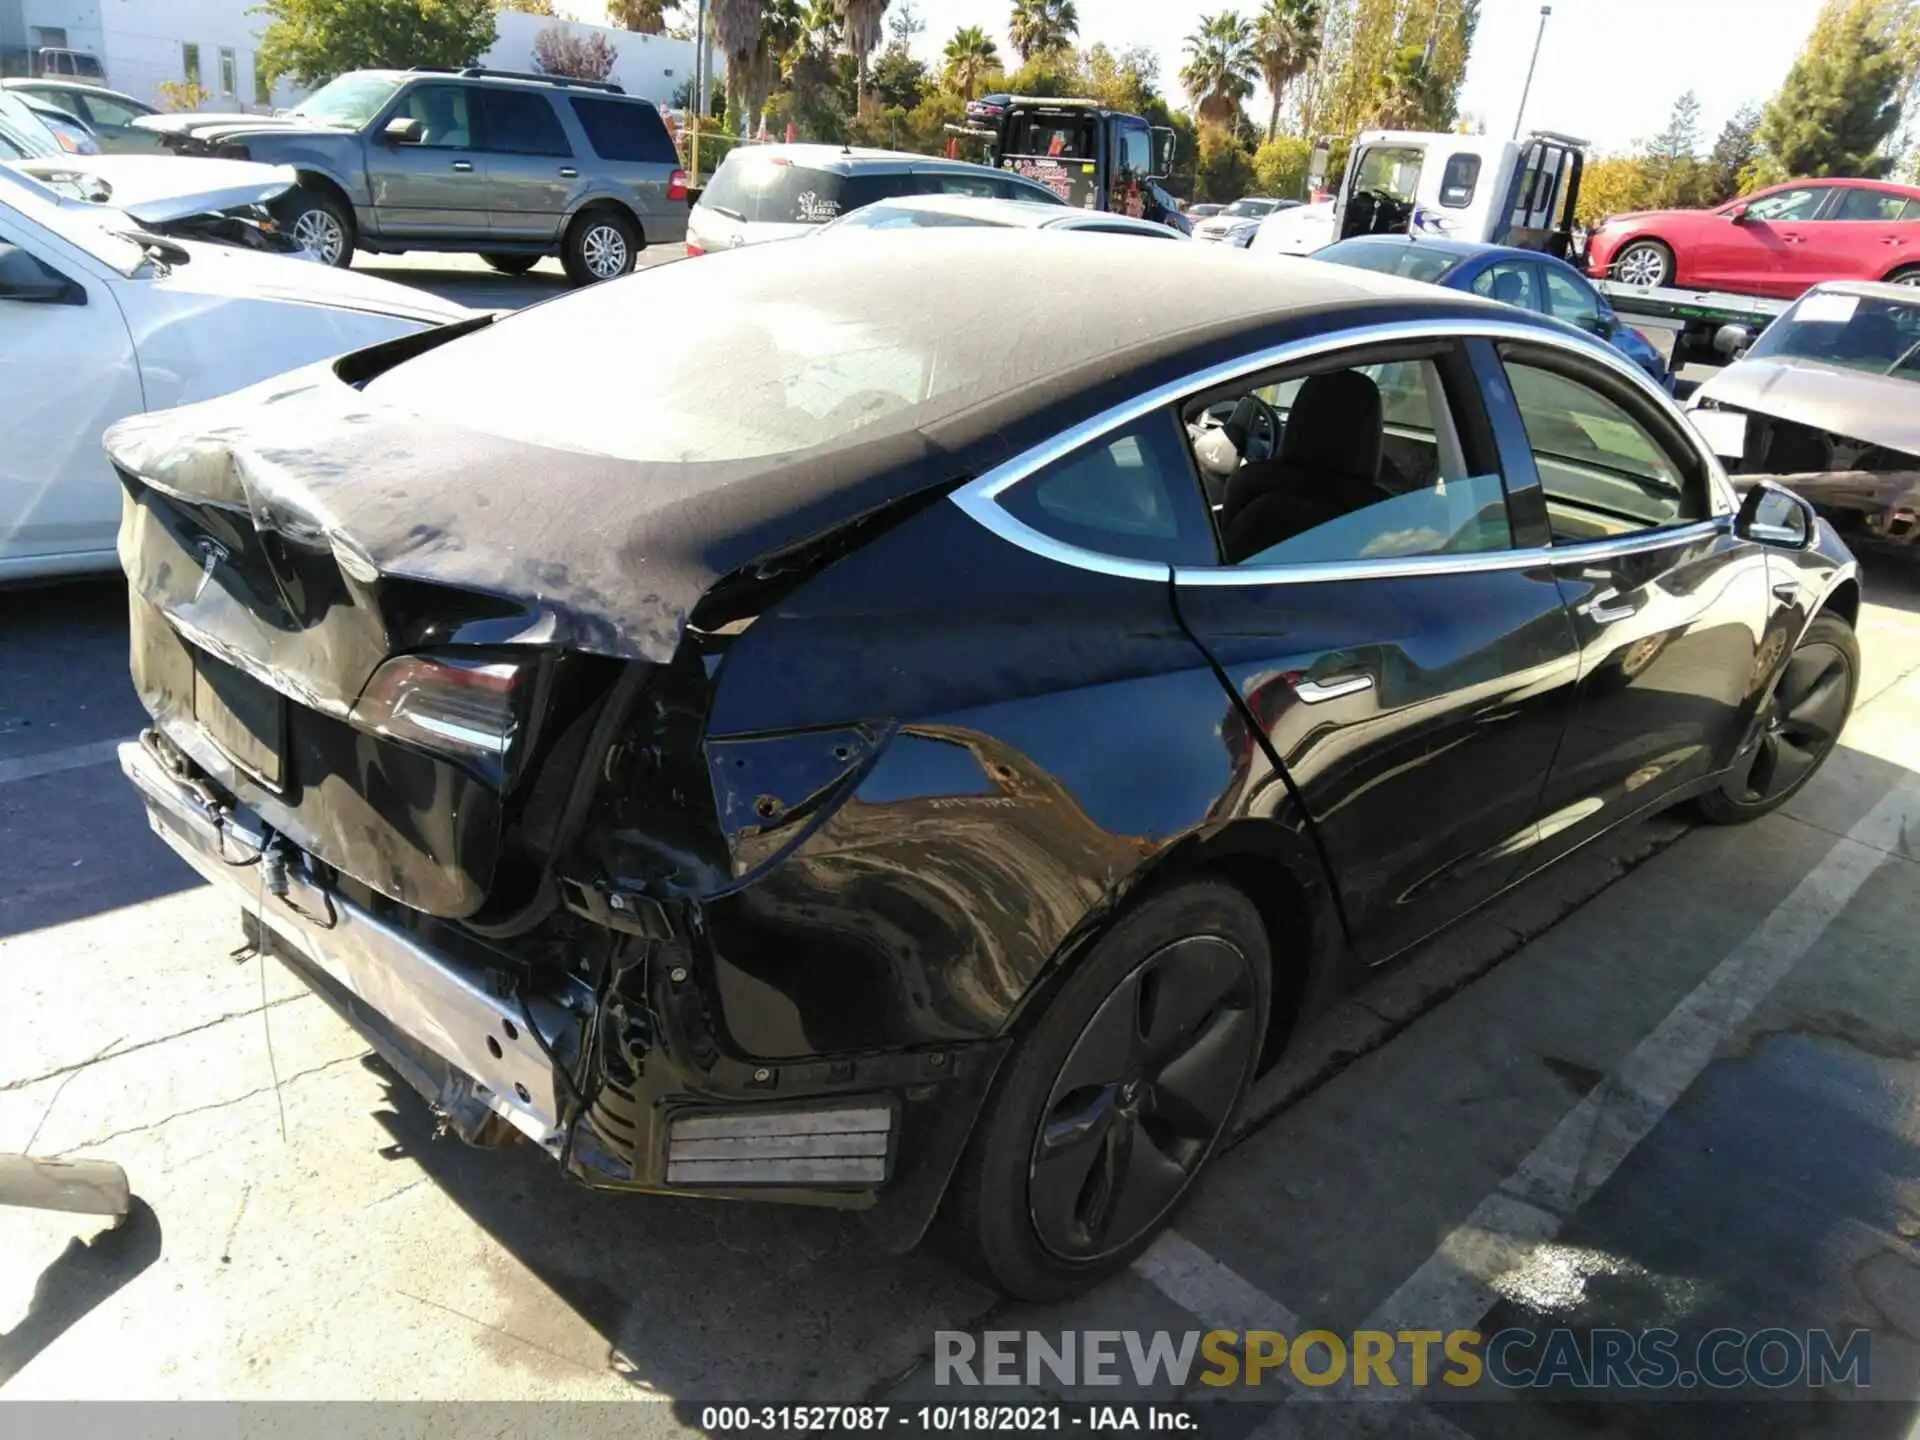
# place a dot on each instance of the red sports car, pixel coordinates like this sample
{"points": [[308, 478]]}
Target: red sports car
{"points": [[1774, 242]]}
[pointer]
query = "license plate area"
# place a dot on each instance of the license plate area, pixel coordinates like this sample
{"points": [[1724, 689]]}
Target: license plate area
{"points": [[246, 719]]}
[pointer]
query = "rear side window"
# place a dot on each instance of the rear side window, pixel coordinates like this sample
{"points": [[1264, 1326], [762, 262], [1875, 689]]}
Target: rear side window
{"points": [[1130, 494], [521, 122], [774, 191], [1882, 206], [1459, 180], [624, 130]]}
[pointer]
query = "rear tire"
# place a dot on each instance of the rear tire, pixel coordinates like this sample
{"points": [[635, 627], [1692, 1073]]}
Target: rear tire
{"points": [[601, 244], [1905, 275], [1647, 264], [512, 264], [319, 224], [1072, 1171], [1798, 730]]}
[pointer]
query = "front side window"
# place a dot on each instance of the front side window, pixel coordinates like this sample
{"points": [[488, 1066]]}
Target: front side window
{"points": [[1340, 465], [103, 111], [1131, 494], [66, 100], [1604, 469], [1801, 203], [1511, 282], [521, 122], [1569, 299], [1459, 180], [1136, 151], [1884, 207], [442, 111]]}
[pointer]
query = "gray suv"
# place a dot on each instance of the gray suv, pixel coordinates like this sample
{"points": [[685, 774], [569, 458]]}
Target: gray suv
{"points": [[510, 166]]}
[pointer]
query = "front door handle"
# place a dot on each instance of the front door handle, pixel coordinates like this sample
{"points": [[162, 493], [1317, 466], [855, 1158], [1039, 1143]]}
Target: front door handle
{"points": [[567, 172], [463, 165], [1316, 692], [1607, 608]]}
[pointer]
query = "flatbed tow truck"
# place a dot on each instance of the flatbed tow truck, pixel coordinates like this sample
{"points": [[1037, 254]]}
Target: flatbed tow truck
{"points": [[1686, 324]]}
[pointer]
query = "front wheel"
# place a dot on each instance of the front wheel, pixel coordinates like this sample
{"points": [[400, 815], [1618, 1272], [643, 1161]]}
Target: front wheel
{"points": [[600, 245], [320, 225], [1798, 729], [1119, 1094], [1645, 263]]}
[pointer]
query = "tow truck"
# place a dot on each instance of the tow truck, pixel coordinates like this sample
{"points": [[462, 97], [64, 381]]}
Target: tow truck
{"points": [[1522, 193], [1091, 156]]}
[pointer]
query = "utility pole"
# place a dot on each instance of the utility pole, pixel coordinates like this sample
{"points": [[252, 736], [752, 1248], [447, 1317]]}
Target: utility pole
{"points": [[701, 59], [1545, 11]]}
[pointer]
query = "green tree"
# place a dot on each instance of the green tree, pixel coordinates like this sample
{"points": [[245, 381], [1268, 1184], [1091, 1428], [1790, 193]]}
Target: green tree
{"points": [[644, 17], [736, 34], [312, 41], [1037, 27], [1225, 169], [971, 55], [532, 7], [1280, 167], [1129, 80], [1736, 149], [1671, 168], [898, 80], [1221, 64], [1287, 35], [1841, 102]]}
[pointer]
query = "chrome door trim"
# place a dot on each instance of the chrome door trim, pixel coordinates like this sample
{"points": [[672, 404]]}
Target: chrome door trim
{"points": [[978, 497]]}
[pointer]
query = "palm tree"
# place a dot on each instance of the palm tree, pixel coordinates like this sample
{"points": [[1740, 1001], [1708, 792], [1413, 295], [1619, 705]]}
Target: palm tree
{"points": [[1038, 26], [1287, 34], [862, 21], [970, 55], [736, 31], [1221, 64]]}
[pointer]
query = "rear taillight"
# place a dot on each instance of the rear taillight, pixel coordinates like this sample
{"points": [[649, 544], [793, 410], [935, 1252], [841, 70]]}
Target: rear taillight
{"points": [[677, 185], [466, 709], [693, 249]]}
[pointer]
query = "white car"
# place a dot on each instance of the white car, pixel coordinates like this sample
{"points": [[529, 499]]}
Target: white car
{"points": [[1237, 223], [100, 320], [1299, 231], [934, 212]]}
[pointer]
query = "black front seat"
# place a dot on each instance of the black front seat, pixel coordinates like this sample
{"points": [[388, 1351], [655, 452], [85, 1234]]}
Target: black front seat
{"points": [[1328, 466]]}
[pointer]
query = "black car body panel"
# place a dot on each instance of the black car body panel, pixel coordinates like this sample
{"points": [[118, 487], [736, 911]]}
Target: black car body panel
{"points": [[819, 767]]}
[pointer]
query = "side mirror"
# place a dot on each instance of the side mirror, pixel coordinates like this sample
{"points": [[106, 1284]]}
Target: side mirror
{"points": [[401, 130], [25, 280], [1164, 141], [1738, 214], [1732, 341], [1317, 160], [1773, 515]]}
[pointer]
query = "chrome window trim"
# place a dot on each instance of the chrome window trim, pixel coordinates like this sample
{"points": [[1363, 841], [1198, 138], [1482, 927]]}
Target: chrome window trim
{"points": [[978, 497]]}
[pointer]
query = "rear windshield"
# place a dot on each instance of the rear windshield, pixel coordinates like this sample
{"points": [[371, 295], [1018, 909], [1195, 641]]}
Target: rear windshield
{"points": [[771, 190], [625, 130], [1251, 208], [1860, 332], [1410, 262]]}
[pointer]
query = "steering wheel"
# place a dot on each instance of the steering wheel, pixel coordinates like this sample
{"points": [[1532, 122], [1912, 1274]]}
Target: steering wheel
{"points": [[1263, 435]]}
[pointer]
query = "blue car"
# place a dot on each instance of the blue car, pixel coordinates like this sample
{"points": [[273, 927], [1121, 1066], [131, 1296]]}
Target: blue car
{"points": [[1526, 278]]}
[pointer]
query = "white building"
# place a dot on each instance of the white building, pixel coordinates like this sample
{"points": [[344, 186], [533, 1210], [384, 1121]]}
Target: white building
{"points": [[215, 44]]}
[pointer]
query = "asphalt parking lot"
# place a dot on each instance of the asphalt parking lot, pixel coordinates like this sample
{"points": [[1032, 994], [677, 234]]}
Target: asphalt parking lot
{"points": [[467, 279], [1675, 1083]]}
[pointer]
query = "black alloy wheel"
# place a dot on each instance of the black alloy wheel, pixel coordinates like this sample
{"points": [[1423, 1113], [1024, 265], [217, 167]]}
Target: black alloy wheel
{"points": [[1142, 1098], [1119, 1094], [1798, 728]]}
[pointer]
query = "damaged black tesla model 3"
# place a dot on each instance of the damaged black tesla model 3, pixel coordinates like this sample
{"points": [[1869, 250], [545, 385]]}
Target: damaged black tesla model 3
{"points": [[927, 746]]}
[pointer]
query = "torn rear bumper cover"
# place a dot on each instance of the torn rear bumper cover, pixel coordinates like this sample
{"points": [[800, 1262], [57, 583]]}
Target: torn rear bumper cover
{"points": [[880, 1133]]}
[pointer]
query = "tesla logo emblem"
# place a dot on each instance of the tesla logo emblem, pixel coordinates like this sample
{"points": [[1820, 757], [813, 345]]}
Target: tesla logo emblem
{"points": [[212, 553]]}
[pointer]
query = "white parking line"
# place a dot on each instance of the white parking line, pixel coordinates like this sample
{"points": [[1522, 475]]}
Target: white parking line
{"points": [[74, 757]]}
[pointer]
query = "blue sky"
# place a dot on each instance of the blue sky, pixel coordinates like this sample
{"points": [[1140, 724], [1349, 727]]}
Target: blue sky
{"points": [[1609, 69]]}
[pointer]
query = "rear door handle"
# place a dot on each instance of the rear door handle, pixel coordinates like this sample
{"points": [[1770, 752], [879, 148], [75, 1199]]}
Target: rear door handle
{"points": [[463, 165], [567, 172], [1316, 692]]}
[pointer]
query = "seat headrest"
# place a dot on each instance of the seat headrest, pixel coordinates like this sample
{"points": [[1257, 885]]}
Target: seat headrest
{"points": [[1335, 424], [1509, 288]]}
